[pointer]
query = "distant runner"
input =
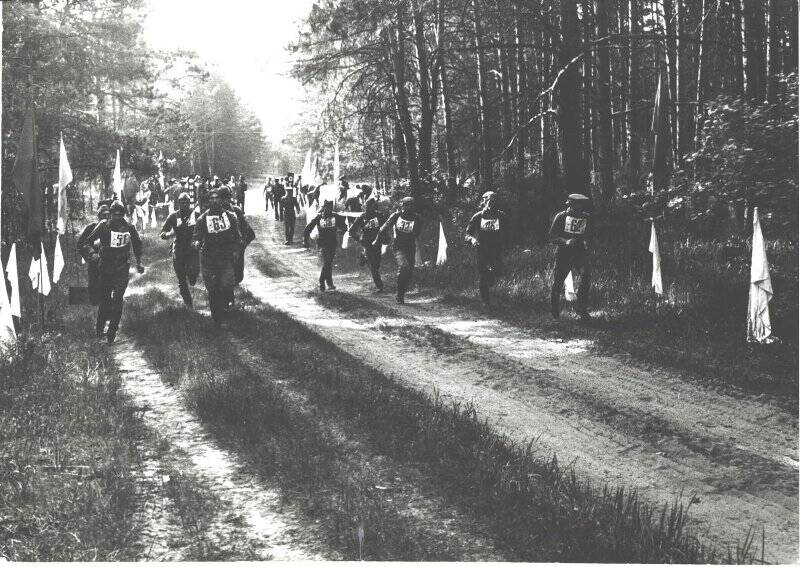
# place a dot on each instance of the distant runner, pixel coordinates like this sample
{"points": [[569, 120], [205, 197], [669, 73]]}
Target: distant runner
{"points": [[365, 229], [488, 233], [278, 192], [219, 239], [407, 227], [570, 230], [87, 251], [290, 208], [325, 222], [117, 238], [185, 259]]}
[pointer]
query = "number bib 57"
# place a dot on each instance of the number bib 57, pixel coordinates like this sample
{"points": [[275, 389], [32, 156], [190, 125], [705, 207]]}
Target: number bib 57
{"points": [[120, 239], [217, 223], [574, 225], [490, 225]]}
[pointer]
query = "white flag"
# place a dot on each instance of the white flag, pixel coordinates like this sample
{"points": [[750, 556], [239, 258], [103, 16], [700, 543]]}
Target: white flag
{"points": [[569, 288], [346, 237], [305, 174], [656, 280], [8, 334], [13, 278], [441, 255], [64, 179], [58, 260], [38, 273], [336, 170], [418, 254], [117, 180], [759, 327]]}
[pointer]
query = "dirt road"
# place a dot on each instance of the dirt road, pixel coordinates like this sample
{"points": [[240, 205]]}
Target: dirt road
{"points": [[731, 455]]}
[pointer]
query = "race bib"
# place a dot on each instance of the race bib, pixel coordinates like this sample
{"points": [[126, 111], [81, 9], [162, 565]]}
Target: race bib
{"points": [[217, 223], [491, 225], [575, 225], [327, 222], [120, 239], [371, 224], [404, 226]]}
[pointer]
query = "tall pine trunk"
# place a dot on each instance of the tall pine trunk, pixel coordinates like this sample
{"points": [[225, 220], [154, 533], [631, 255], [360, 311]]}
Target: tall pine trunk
{"points": [[605, 136], [569, 116], [486, 144]]}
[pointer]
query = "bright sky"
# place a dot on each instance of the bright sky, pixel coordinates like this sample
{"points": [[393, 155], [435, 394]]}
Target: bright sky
{"points": [[245, 41]]}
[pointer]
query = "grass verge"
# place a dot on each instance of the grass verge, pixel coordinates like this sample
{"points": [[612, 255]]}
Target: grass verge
{"points": [[537, 509], [66, 449]]}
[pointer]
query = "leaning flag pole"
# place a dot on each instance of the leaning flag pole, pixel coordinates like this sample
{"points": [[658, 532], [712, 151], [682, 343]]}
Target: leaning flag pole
{"points": [[64, 179], [8, 335], [759, 327]]}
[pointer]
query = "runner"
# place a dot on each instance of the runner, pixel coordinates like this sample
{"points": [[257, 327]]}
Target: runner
{"points": [[267, 194], [488, 233], [117, 237], [219, 239], [278, 192], [87, 251], [248, 235], [241, 189], [185, 259], [407, 227], [570, 230], [368, 224], [289, 206], [325, 222]]}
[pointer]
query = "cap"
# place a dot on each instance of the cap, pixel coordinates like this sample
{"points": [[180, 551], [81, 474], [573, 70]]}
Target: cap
{"points": [[102, 209], [224, 192], [117, 206], [173, 180], [488, 194], [407, 200], [184, 197], [577, 197]]}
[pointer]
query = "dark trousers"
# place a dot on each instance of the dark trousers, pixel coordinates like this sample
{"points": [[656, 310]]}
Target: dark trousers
{"points": [[276, 204], [288, 227], [575, 260], [187, 267], [373, 254], [405, 268], [241, 201], [489, 267], [219, 275], [93, 285], [238, 270], [326, 274], [112, 290]]}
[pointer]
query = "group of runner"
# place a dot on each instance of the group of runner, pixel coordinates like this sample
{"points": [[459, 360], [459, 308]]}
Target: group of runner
{"points": [[210, 234]]}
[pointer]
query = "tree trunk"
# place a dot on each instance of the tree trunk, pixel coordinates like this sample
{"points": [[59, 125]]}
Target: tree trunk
{"points": [[569, 116], [522, 102], [634, 99], [427, 101], [738, 47], [486, 144], [701, 76], [401, 103], [587, 145], [773, 52], [670, 20], [753, 20], [449, 142], [605, 142]]}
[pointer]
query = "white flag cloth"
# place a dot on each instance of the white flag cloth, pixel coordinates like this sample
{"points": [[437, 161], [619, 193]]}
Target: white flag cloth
{"points": [[8, 334], [384, 248], [64, 179], [441, 254], [346, 237], [656, 282], [153, 221], [418, 254], [38, 273], [13, 278], [336, 170], [759, 327], [117, 180], [306, 172], [58, 260], [569, 288]]}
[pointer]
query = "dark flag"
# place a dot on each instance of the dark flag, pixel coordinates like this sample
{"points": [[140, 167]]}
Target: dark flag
{"points": [[661, 137], [26, 178]]}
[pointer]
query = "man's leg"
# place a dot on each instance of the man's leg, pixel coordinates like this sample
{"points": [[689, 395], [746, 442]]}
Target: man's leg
{"points": [[105, 290], [118, 293], [583, 269], [560, 271], [484, 274], [179, 263], [404, 260], [373, 254], [93, 285], [328, 255]]}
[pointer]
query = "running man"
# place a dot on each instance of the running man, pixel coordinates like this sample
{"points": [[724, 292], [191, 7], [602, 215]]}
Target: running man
{"points": [[488, 232], [290, 208], [117, 238], [87, 251], [278, 192], [185, 259], [368, 224], [325, 221], [407, 227], [218, 238], [248, 235], [570, 230]]}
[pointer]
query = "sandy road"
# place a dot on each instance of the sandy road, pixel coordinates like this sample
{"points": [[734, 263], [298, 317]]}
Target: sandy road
{"points": [[734, 456]]}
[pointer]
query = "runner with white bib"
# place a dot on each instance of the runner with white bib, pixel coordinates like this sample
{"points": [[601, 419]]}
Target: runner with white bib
{"points": [[185, 259], [407, 226], [488, 233], [570, 231]]}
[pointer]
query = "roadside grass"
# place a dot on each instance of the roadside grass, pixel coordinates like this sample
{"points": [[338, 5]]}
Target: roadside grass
{"points": [[66, 448], [536, 507], [699, 325]]}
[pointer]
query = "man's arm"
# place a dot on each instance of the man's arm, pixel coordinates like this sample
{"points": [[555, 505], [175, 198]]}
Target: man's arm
{"points": [[555, 232], [136, 244], [356, 226], [169, 226], [386, 226], [309, 227], [296, 205]]}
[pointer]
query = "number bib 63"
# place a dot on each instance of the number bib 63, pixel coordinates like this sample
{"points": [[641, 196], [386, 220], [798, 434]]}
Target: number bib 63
{"points": [[217, 223]]}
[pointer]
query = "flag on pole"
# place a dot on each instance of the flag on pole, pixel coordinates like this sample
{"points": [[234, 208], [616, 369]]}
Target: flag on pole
{"points": [[346, 237], [58, 260], [569, 288], [305, 174], [759, 327], [38, 273], [13, 278], [64, 179], [336, 170], [117, 185], [441, 254], [8, 334], [656, 282], [26, 177]]}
